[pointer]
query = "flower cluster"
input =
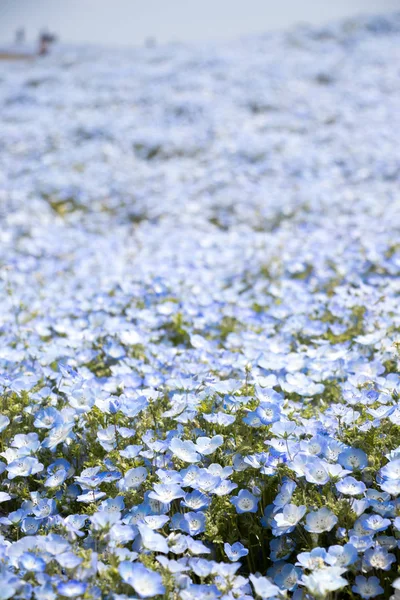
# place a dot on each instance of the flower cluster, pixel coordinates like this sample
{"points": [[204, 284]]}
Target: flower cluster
{"points": [[199, 369]]}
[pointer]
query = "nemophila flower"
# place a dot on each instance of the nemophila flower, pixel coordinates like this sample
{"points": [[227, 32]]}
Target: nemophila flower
{"points": [[288, 577], [57, 478], [68, 372], [116, 504], [46, 418], [68, 560], [392, 486], [315, 471], [222, 419], [71, 589], [132, 406], [349, 486], [315, 446], [9, 584], [107, 437], [104, 519], [44, 508], [341, 556], [268, 412], [353, 459], [286, 521], [224, 488], [325, 580], [166, 493], [23, 467], [169, 476], [25, 444], [386, 541], [201, 566], [197, 322], [236, 551], [281, 548], [379, 558], [133, 479], [90, 496], [312, 560], [285, 493], [194, 523], [91, 478], [196, 547], [206, 481], [284, 429], [184, 450], [252, 419], [131, 451], [375, 523], [333, 449], [244, 502], [156, 521], [301, 384], [151, 540], [238, 463], [58, 435], [196, 500], [82, 400], [4, 422], [367, 587], [201, 591], [206, 445], [263, 587], [391, 470], [320, 520], [32, 562], [74, 523], [361, 542]]}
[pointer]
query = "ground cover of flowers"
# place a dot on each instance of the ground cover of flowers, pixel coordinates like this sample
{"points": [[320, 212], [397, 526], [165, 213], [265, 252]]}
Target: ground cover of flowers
{"points": [[200, 258]]}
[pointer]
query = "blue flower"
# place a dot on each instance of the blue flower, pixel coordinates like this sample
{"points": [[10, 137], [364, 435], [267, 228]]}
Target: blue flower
{"points": [[320, 520], [367, 587], [379, 558], [32, 562], [186, 451], [145, 582], [322, 581], [263, 587], [151, 540], [341, 556], [286, 521], [353, 459], [349, 486], [288, 577], [23, 467], [236, 551], [194, 523], [133, 479], [206, 445], [166, 493], [245, 502], [71, 589]]}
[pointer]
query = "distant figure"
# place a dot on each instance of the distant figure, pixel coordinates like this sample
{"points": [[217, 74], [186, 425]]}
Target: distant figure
{"points": [[20, 36], [150, 42], [45, 41]]}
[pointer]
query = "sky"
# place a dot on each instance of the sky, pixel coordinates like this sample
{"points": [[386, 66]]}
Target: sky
{"points": [[130, 22]]}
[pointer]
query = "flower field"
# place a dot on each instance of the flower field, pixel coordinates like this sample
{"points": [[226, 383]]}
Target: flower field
{"points": [[200, 319]]}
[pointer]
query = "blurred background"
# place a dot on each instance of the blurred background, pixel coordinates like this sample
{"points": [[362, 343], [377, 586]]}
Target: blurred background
{"points": [[131, 22]]}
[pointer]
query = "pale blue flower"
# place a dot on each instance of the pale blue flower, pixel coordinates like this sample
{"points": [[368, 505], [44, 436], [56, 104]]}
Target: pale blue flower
{"points": [[245, 502], [320, 520], [236, 551], [145, 582]]}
